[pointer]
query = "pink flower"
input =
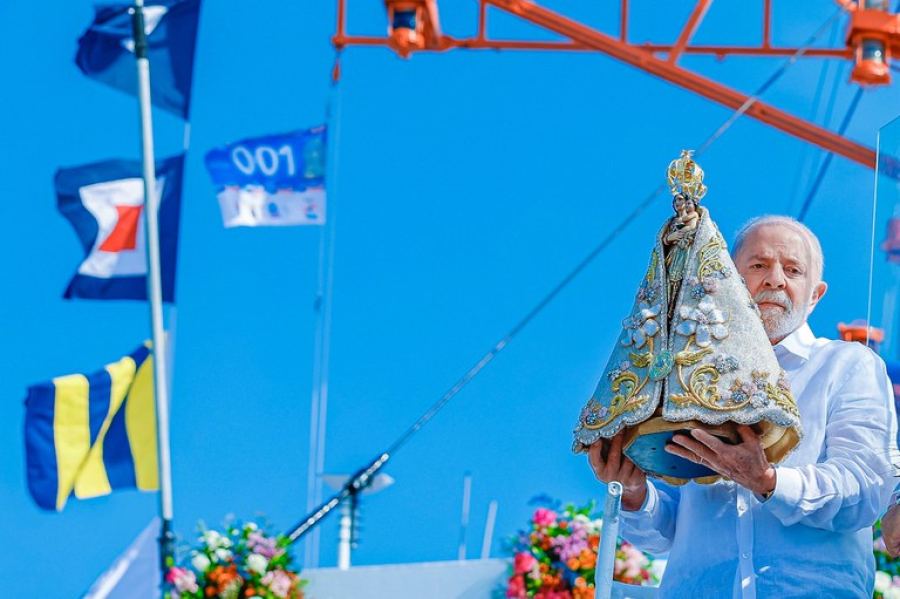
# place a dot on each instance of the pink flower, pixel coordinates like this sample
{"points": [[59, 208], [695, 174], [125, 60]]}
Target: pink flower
{"points": [[524, 562], [544, 517], [569, 547], [279, 582], [263, 545], [516, 588], [184, 580]]}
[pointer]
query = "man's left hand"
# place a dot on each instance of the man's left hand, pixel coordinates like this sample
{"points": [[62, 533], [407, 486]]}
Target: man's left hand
{"points": [[890, 530], [744, 463]]}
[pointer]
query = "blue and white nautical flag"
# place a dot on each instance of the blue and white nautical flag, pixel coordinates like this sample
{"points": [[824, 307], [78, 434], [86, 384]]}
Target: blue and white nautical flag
{"points": [[105, 203], [272, 180], [91, 434], [106, 50]]}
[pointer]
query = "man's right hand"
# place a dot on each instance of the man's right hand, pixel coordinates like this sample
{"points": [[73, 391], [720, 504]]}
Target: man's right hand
{"points": [[610, 464], [890, 530]]}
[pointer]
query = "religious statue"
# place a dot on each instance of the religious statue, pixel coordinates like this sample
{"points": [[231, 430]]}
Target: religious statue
{"points": [[692, 354]]}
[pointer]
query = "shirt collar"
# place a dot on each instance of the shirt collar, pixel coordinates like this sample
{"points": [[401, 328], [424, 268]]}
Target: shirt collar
{"points": [[797, 343]]}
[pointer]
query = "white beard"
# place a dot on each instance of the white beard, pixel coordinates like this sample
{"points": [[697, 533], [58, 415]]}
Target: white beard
{"points": [[781, 323]]}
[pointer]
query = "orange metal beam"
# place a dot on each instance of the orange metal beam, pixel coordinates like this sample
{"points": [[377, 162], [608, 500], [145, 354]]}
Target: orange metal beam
{"points": [[722, 51], [711, 90], [479, 43], [688, 32]]}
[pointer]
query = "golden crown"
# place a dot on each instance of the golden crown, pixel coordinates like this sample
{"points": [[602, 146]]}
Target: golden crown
{"points": [[686, 177]]}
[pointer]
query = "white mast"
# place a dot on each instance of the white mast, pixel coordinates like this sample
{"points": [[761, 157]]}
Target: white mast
{"points": [[154, 288]]}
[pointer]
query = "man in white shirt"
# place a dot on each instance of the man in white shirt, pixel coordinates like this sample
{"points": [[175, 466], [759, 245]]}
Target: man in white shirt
{"points": [[801, 528]]}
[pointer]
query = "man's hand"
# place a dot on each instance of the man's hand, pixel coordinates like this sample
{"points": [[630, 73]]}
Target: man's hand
{"points": [[609, 464], [744, 463], [890, 530]]}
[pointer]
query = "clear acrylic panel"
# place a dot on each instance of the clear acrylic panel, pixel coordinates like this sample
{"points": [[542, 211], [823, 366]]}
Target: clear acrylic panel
{"points": [[884, 292]]}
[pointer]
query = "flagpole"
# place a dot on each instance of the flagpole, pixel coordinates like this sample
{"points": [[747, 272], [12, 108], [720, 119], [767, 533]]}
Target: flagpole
{"points": [[154, 292], [324, 294], [313, 474]]}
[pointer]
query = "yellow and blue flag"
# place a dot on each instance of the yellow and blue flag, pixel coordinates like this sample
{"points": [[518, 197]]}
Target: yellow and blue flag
{"points": [[92, 434]]}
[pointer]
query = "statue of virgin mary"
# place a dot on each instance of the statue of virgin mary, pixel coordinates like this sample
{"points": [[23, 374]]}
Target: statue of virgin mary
{"points": [[692, 353]]}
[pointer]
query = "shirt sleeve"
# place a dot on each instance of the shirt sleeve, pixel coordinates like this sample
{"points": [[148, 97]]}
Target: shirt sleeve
{"points": [[851, 486], [652, 527]]}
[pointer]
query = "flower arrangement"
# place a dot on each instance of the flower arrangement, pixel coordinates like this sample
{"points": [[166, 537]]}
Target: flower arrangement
{"points": [[887, 569], [557, 556], [243, 562]]}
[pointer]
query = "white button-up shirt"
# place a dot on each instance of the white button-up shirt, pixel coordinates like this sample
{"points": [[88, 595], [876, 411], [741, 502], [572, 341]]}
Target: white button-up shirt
{"points": [[813, 537]]}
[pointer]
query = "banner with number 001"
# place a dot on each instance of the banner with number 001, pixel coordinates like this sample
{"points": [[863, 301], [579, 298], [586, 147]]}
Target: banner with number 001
{"points": [[273, 180]]}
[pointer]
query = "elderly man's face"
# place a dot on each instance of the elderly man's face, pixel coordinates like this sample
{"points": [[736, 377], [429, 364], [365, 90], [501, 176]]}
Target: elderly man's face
{"points": [[776, 264]]}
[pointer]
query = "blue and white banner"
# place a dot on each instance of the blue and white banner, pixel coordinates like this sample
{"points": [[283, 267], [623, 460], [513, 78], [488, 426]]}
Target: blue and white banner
{"points": [[104, 202], [274, 180], [106, 50]]}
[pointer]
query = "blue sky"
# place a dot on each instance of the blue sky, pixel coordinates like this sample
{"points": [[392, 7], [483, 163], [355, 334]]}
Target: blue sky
{"points": [[467, 184]]}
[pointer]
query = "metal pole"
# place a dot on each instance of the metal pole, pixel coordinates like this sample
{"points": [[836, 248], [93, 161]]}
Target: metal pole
{"points": [[313, 474], [464, 518], [489, 530], [346, 534], [606, 554], [154, 291]]}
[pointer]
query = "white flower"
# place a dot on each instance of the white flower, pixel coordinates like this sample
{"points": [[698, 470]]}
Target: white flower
{"points": [[222, 555], [705, 322], [882, 581], [892, 593], [590, 526], [257, 563], [200, 562], [214, 540], [658, 567], [641, 325]]}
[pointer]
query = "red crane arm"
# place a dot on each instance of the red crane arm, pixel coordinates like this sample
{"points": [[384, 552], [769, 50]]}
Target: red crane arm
{"points": [[647, 61]]}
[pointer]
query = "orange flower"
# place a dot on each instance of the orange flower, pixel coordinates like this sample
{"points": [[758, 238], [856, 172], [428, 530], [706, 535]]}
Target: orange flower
{"points": [[594, 541], [543, 568], [573, 563], [549, 581], [583, 593], [580, 582], [588, 559], [221, 578]]}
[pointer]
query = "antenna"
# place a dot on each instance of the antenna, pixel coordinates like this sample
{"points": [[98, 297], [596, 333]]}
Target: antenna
{"points": [[348, 538]]}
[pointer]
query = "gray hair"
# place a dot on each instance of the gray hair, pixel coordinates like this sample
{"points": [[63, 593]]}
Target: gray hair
{"points": [[815, 248]]}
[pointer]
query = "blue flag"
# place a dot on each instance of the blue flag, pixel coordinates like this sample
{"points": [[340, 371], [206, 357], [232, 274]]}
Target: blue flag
{"points": [[88, 435], [106, 50], [105, 203], [271, 180]]}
